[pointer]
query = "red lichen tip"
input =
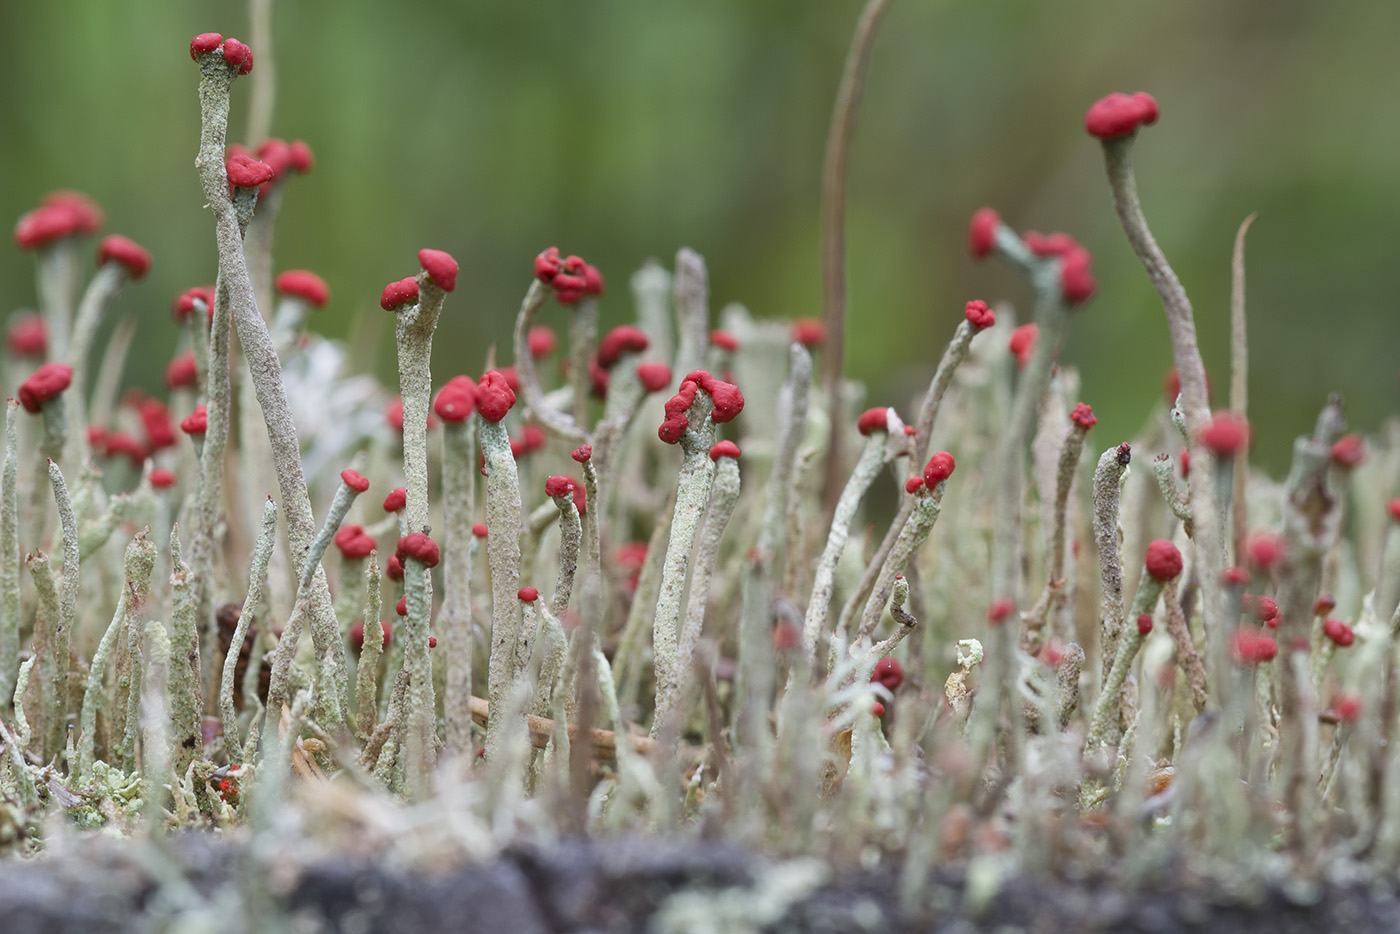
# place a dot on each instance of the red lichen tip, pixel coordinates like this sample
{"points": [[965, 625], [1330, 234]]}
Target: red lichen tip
{"points": [[724, 340], [1077, 283], [494, 397], [1347, 707], [162, 479], [1120, 114], [238, 54], [809, 332], [396, 294], [354, 480], [557, 486], [60, 214], [913, 485], [724, 449], [979, 315], [981, 232], [401, 607], [197, 423], [1339, 632], [456, 399], [593, 283], [1394, 507], [1348, 451], [354, 542], [528, 594], [155, 418], [1083, 416], [1001, 608], [1226, 434], [420, 548], [479, 530], [246, 172], [1265, 609], [43, 384], [302, 158], [674, 425], [1022, 343], [1249, 647], [1053, 244], [532, 438], [939, 468], [1324, 604], [1163, 560], [583, 453], [547, 264], [303, 283], [888, 672], [1144, 624], [653, 376], [1234, 577], [873, 420], [622, 339], [119, 249], [185, 302], [27, 336], [1263, 550], [182, 372], [396, 500], [204, 42], [440, 267], [542, 340]]}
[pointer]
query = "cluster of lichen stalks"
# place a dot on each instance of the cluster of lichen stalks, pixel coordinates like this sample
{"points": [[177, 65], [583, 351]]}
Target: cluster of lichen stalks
{"points": [[788, 675]]}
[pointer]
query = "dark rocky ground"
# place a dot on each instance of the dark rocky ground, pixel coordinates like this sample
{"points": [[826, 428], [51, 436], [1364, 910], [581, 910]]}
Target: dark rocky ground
{"points": [[199, 883]]}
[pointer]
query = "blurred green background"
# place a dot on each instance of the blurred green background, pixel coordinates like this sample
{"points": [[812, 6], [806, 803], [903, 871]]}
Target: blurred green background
{"points": [[624, 130]]}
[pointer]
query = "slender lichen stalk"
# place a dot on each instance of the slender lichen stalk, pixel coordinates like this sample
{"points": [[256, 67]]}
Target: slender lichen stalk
{"points": [[59, 661], [1108, 491], [459, 508], [155, 738], [536, 409], [815, 624], [1048, 608], [257, 572], [692, 496], [1108, 708], [9, 555], [371, 647], [185, 692], [926, 511], [570, 540], [216, 78], [724, 495], [503, 554], [104, 285]]}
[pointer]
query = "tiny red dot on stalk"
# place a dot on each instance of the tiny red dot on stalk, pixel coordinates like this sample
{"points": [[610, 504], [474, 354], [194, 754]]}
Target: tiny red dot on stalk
{"points": [[1022, 343], [888, 672], [1347, 707], [420, 548], [809, 332], [44, 384], [873, 420], [913, 485], [399, 293], [396, 500], [724, 449], [1185, 459], [981, 231], [528, 594], [542, 340], [1249, 647], [1394, 508], [979, 315], [479, 529], [1226, 434], [1001, 608], [1348, 451], [653, 376], [1263, 550], [440, 267], [456, 399], [204, 42], [302, 283], [1324, 604], [938, 469], [118, 249], [1234, 577], [724, 340], [197, 423], [494, 397], [162, 479], [583, 453], [1118, 114], [877, 709], [432, 642], [354, 480], [1339, 632], [1144, 624], [1083, 416], [27, 336], [1163, 560], [401, 607]]}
